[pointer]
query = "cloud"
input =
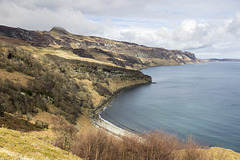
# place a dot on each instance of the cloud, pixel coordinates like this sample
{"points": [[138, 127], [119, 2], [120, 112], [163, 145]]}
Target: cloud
{"points": [[191, 35], [198, 26], [43, 18], [137, 9], [234, 26], [90, 7]]}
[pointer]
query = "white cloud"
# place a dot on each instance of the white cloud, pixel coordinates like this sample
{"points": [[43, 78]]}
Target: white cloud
{"points": [[234, 26], [197, 26], [42, 18], [188, 25], [188, 35]]}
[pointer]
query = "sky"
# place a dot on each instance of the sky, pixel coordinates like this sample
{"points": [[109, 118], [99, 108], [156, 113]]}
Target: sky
{"points": [[208, 28]]}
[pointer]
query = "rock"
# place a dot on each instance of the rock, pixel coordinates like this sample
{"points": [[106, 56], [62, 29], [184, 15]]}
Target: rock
{"points": [[41, 124]]}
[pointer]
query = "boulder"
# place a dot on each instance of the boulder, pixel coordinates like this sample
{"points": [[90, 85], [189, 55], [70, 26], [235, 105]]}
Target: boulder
{"points": [[41, 124]]}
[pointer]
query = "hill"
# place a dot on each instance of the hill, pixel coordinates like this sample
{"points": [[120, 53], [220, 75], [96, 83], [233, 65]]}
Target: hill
{"points": [[17, 145], [221, 60], [32, 81], [55, 79], [124, 54], [67, 74]]}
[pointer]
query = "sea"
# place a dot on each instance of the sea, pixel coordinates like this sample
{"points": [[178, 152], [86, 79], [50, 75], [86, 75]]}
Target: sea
{"points": [[198, 100]]}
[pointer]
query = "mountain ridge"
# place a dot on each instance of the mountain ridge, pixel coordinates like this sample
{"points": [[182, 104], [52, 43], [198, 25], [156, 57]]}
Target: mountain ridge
{"points": [[123, 54]]}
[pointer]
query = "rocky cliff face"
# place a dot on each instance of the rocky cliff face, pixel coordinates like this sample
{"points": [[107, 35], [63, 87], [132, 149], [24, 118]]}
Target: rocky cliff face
{"points": [[124, 54]]}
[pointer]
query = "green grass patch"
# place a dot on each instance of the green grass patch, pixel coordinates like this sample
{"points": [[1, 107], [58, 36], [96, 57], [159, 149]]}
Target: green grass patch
{"points": [[15, 145]]}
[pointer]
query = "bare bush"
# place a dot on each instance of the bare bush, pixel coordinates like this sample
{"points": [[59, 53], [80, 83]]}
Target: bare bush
{"points": [[65, 133], [160, 145], [96, 145], [152, 146]]}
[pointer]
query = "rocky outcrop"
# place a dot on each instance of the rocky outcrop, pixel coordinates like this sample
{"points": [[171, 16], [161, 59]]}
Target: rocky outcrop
{"points": [[33, 37]]}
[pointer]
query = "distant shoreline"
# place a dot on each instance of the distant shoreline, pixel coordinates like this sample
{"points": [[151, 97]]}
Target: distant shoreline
{"points": [[221, 60]]}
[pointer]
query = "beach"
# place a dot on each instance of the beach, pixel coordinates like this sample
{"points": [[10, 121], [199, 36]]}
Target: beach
{"points": [[110, 128]]}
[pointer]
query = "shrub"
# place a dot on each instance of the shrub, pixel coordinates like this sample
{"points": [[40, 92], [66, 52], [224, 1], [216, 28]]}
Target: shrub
{"points": [[65, 132], [156, 145], [9, 69]]}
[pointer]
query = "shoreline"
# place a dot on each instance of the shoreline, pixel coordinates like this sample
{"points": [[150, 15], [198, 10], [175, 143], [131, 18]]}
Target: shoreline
{"points": [[121, 131], [107, 126], [104, 104], [111, 128]]}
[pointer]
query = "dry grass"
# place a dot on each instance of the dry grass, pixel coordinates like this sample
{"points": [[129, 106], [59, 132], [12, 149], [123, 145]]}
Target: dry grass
{"points": [[217, 153], [157, 145], [46, 117], [96, 98], [98, 145], [84, 123], [15, 77], [62, 53], [18, 145]]}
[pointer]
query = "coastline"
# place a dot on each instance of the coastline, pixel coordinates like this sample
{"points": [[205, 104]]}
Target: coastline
{"points": [[107, 126], [120, 132], [111, 128]]}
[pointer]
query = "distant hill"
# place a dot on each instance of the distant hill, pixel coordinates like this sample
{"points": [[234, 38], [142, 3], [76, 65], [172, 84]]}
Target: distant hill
{"points": [[222, 60], [124, 54]]}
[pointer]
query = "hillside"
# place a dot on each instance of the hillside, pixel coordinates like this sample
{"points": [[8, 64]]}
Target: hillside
{"points": [[70, 75], [32, 81], [53, 81], [20, 145], [124, 54], [16, 145]]}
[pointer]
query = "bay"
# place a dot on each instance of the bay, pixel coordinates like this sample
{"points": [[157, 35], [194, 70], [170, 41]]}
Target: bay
{"points": [[202, 100]]}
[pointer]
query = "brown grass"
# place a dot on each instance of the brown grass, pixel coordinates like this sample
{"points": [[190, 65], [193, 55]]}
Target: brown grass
{"points": [[98, 145], [15, 77]]}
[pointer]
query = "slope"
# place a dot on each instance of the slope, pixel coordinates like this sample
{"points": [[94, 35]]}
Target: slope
{"points": [[17, 145], [124, 54]]}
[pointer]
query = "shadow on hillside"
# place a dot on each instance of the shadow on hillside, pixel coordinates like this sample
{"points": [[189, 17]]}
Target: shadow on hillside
{"points": [[11, 122]]}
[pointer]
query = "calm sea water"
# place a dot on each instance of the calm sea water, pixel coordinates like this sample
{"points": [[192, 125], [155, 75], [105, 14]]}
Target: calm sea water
{"points": [[202, 100]]}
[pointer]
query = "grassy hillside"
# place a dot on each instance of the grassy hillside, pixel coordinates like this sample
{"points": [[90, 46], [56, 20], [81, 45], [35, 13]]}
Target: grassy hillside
{"points": [[97, 144], [56, 79], [20, 145], [123, 54], [32, 81]]}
